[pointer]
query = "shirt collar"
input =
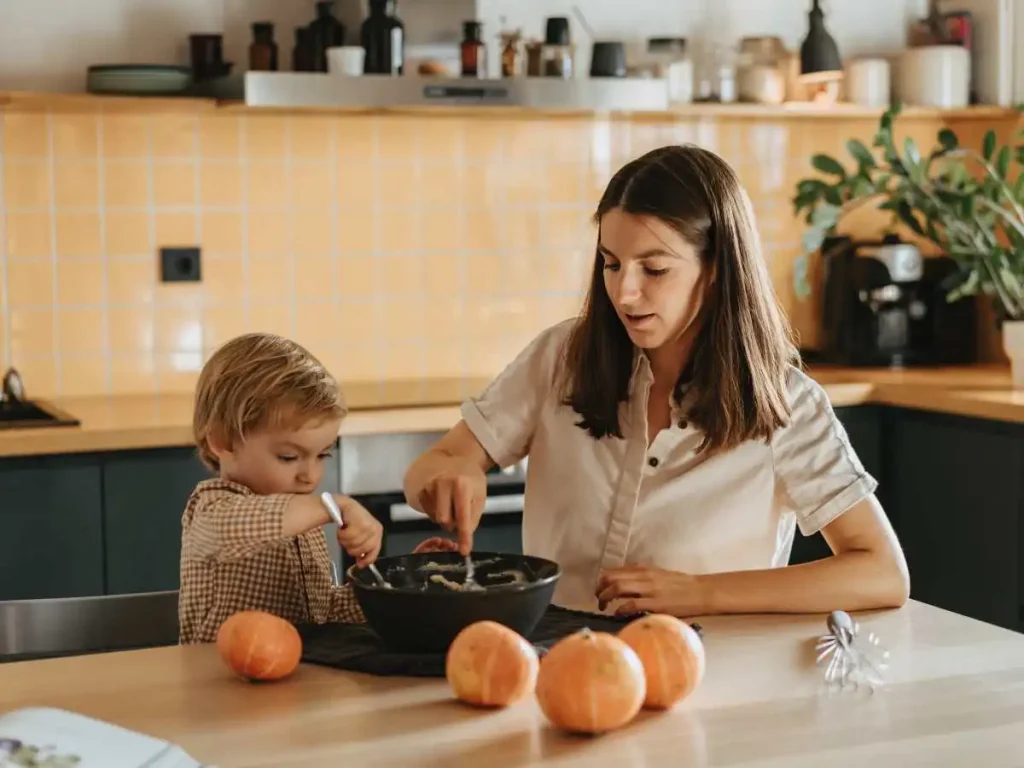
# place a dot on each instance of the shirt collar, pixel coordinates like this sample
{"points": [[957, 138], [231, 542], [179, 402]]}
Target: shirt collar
{"points": [[642, 374]]}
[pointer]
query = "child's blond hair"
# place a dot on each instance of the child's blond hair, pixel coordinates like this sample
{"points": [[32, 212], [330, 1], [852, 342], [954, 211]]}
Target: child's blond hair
{"points": [[255, 381]]}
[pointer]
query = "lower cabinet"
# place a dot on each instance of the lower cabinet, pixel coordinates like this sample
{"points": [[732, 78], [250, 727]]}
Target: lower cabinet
{"points": [[958, 487], [144, 495], [51, 527]]}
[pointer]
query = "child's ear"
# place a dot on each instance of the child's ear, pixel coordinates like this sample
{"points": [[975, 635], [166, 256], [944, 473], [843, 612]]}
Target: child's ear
{"points": [[219, 445]]}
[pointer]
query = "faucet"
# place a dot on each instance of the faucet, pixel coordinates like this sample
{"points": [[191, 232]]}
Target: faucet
{"points": [[13, 387]]}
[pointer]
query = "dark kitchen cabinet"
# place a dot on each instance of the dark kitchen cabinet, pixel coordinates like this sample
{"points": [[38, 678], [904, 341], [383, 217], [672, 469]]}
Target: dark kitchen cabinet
{"points": [[864, 426], [144, 494], [51, 527], [957, 485]]}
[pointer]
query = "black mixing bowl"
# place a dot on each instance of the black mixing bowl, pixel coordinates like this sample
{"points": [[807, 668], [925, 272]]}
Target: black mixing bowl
{"points": [[420, 614]]}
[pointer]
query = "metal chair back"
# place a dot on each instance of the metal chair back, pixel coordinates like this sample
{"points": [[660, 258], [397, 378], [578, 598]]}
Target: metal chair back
{"points": [[70, 626]]}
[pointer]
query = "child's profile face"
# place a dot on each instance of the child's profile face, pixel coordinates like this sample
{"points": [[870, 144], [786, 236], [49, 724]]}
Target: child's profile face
{"points": [[281, 460]]}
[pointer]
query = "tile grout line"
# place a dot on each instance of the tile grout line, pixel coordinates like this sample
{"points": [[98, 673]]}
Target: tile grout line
{"points": [[243, 128], [197, 191], [378, 268], [54, 254], [289, 188], [5, 288], [151, 234], [101, 189]]}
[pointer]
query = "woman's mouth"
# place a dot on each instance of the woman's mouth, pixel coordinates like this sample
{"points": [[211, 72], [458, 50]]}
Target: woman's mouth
{"points": [[638, 320]]}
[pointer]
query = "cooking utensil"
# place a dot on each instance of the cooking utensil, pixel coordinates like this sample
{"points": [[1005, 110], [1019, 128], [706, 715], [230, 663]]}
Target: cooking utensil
{"points": [[335, 512], [470, 582], [427, 606], [851, 659]]}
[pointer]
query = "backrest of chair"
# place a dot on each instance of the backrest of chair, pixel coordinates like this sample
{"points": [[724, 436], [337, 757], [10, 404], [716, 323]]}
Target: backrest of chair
{"points": [[74, 625]]}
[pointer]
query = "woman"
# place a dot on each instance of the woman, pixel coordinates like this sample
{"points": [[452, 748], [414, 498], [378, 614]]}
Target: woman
{"points": [[674, 445]]}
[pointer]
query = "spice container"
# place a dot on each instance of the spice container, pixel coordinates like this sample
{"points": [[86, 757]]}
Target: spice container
{"points": [[510, 61], [263, 49], [472, 50]]}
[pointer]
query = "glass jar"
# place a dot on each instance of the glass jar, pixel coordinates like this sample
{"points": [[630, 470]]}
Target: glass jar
{"points": [[668, 58]]}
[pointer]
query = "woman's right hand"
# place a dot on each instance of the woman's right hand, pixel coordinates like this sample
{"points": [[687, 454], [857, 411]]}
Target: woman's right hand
{"points": [[454, 498]]}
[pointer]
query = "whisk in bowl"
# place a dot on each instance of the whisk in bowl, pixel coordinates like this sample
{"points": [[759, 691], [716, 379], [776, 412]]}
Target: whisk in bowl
{"points": [[851, 659]]}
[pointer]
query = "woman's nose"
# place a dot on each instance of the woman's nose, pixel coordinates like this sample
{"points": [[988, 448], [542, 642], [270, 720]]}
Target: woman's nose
{"points": [[629, 285]]}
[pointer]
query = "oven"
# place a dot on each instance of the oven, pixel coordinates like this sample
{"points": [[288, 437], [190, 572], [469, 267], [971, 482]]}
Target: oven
{"points": [[372, 470]]}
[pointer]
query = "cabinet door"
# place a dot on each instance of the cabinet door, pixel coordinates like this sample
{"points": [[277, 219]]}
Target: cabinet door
{"points": [[863, 425], [956, 485], [144, 496], [51, 543]]}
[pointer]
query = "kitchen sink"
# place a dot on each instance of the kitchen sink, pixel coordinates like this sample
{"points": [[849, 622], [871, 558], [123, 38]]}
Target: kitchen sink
{"points": [[28, 414]]}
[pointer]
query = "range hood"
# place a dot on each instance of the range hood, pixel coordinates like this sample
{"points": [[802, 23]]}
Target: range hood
{"points": [[319, 90]]}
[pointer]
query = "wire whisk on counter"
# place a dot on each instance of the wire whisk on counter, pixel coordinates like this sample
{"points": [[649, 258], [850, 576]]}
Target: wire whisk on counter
{"points": [[851, 660]]}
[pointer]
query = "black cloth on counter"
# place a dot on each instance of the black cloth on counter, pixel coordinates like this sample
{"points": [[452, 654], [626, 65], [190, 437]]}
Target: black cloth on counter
{"points": [[356, 648]]}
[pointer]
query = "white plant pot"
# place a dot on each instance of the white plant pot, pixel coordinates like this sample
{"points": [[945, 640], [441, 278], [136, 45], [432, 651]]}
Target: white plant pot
{"points": [[1013, 343]]}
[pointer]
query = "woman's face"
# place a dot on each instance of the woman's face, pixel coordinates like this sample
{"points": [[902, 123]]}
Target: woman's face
{"points": [[652, 275]]}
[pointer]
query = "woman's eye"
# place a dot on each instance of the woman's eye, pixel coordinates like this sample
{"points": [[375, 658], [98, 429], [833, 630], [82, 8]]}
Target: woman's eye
{"points": [[655, 272], [325, 456], [288, 458], [611, 266]]}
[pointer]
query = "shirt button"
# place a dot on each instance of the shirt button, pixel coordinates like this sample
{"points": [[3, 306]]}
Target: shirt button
{"points": [[653, 461]]}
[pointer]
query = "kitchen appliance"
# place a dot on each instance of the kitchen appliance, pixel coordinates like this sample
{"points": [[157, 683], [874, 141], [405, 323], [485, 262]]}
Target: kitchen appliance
{"points": [[312, 89], [372, 472], [884, 304], [418, 615]]}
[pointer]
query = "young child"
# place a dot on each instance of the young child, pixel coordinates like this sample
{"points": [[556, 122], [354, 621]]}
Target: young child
{"points": [[265, 419]]}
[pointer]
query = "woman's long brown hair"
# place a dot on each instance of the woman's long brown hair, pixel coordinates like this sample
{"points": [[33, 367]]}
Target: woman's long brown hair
{"points": [[743, 346]]}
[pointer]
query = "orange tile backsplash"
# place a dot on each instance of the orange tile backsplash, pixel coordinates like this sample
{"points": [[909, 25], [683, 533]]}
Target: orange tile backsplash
{"points": [[395, 247]]}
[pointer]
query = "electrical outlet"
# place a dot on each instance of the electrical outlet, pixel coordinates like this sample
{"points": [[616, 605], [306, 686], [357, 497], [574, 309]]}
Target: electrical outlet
{"points": [[180, 265]]}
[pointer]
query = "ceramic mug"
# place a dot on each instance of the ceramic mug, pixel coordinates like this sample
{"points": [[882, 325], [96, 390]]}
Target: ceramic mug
{"points": [[346, 60], [868, 83]]}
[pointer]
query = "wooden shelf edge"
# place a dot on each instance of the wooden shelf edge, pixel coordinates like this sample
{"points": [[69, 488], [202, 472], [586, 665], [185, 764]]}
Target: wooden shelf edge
{"points": [[85, 102]]}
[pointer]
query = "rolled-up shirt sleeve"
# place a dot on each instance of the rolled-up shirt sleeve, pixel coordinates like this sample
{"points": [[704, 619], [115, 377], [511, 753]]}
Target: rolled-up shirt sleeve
{"points": [[227, 526], [817, 470], [505, 415]]}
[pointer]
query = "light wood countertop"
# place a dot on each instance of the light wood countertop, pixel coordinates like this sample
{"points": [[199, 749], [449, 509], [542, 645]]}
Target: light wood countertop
{"points": [[130, 422], [954, 696]]}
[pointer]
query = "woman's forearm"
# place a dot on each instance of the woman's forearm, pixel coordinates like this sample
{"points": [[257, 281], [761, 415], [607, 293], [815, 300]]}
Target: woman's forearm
{"points": [[850, 581]]}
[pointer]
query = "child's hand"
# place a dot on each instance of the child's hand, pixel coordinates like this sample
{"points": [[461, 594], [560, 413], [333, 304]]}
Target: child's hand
{"points": [[436, 544], [362, 535]]}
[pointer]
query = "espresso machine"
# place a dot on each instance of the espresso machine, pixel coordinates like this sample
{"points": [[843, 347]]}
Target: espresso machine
{"points": [[885, 305]]}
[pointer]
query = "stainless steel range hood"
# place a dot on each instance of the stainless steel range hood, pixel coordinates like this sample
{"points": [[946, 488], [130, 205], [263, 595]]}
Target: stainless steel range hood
{"points": [[301, 89]]}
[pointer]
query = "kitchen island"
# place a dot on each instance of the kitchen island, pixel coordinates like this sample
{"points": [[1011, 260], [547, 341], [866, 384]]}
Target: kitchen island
{"points": [[954, 696]]}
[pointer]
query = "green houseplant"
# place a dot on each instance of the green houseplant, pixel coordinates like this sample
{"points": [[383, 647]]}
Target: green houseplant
{"points": [[967, 202]]}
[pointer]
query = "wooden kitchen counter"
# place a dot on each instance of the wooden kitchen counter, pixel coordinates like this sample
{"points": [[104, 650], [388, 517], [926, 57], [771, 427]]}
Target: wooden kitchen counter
{"points": [[128, 422], [955, 696]]}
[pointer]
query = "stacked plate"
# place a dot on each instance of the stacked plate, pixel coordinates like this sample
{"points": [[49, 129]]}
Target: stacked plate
{"points": [[138, 79]]}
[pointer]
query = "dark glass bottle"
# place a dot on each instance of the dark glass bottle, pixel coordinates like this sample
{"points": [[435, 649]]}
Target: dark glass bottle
{"points": [[324, 32], [302, 55], [263, 49], [474, 54], [383, 38]]}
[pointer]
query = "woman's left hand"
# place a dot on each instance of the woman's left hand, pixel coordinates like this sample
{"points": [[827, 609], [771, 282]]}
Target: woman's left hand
{"points": [[639, 588]]}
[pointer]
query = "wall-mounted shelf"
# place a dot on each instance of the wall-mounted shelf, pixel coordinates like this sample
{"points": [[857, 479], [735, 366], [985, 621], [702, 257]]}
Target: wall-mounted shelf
{"points": [[85, 102]]}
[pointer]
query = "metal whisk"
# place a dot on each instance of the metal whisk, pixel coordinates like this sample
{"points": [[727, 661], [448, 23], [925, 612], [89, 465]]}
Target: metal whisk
{"points": [[849, 658]]}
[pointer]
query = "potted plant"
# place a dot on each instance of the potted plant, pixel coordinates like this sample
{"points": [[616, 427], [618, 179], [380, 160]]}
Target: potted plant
{"points": [[964, 201]]}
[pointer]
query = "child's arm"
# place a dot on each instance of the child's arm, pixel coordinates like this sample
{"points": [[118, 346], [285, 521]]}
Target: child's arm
{"points": [[232, 526]]}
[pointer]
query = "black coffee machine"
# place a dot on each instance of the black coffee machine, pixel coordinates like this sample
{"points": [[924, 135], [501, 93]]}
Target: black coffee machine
{"points": [[885, 305]]}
